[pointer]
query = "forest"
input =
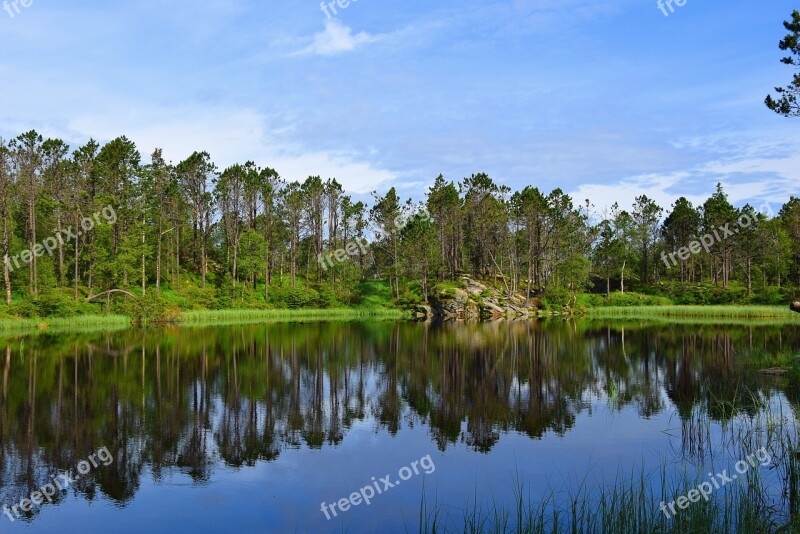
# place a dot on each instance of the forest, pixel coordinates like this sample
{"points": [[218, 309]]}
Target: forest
{"points": [[77, 223]]}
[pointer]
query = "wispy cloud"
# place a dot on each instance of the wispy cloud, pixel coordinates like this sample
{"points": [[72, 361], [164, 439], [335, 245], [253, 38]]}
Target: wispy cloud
{"points": [[231, 135], [336, 39], [752, 169]]}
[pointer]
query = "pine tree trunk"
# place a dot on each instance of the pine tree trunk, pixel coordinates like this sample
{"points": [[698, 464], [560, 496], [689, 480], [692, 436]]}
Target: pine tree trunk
{"points": [[32, 222], [6, 269], [144, 265], [177, 259], [6, 276], [76, 273], [61, 273], [158, 262], [203, 260], [749, 277]]}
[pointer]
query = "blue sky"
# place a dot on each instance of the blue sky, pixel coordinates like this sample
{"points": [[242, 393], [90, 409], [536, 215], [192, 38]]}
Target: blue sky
{"points": [[604, 99]]}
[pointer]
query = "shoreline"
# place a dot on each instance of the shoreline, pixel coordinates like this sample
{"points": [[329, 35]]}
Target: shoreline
{"points": [[202, 318], [195, 318], [710, 311]]}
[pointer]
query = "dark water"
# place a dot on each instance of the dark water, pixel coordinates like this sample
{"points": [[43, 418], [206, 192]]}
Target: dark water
{"points": [[252, 428]]}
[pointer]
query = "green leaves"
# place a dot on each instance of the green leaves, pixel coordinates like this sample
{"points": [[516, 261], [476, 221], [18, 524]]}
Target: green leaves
{"points": [[786, 102]]}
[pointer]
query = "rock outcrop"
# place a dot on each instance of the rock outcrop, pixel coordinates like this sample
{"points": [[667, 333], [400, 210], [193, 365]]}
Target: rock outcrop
{"points": [[474, 300]]}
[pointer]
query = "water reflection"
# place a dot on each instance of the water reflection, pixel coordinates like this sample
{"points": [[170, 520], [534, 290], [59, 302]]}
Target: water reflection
{"points": [[193, 399]]}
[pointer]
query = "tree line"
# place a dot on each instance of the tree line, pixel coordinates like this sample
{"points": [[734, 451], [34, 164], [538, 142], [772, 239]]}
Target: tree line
{"points": [[241, 231]]}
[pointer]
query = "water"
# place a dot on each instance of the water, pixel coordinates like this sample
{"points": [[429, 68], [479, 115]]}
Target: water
{"points": [[251, 428]]}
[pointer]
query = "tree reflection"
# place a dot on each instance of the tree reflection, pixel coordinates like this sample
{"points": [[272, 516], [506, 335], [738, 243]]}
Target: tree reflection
{"points": [[186, 399]]}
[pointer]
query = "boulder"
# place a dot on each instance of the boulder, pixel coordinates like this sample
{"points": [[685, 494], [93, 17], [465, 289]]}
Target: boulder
{"points": [[477, 300], [795, 306]]}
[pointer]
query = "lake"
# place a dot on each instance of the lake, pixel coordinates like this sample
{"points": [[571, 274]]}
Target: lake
{"points": [[292, 427]]}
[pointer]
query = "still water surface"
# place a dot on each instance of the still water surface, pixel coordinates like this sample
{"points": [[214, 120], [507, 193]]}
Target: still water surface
{"points": [[251, 428]]}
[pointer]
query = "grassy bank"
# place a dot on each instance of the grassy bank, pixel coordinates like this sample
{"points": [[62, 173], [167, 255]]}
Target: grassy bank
{"points": [[700, 312], [61, 324], [755, 315], [12, 325], [217, 317]]}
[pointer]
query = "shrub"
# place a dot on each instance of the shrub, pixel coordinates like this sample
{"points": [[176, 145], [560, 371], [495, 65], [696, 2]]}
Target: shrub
{"points": [[148, 308], [776, 296], [25, 309], [202, 298], [299, 298], [57, 303], [326, 299], [556, 299]]}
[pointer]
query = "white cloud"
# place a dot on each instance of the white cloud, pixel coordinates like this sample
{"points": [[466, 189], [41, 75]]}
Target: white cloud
{"points": [[335, 39], [624, 193], [230, 136], [751, 168]]}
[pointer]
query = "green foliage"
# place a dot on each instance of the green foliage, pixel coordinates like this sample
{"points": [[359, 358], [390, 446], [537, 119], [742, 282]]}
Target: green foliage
{"points": [[557, 298], [786, 103], [327, 299], [148, 308], [373, 294], [25, 309], [243, 238], [623, 300], [411, 295], [774, 296], [197, 297], [293, 299]]}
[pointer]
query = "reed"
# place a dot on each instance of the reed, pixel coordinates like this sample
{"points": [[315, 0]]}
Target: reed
{"points": [[217, 317], [765, 499], [62, 324], [744, 312]]}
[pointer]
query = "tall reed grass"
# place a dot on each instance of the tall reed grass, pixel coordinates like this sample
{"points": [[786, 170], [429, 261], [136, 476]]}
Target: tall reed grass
{"points": [[746, 312], [764, 500], [62, 324], [219, 317]]}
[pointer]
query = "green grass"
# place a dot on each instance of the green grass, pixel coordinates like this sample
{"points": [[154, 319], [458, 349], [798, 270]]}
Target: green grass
{"points": [[652, 321], [375, 294], [12, 325], [758, 358], [62, 324], [758, 501], [740, 312], [217, 317]]}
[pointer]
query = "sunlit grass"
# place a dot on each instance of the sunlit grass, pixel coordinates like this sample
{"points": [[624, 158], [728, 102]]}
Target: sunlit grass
{"points": [[745, 312], [217, 317], [62, 324], [11, 325]]}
